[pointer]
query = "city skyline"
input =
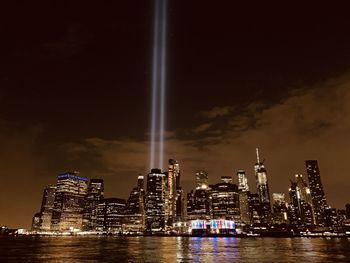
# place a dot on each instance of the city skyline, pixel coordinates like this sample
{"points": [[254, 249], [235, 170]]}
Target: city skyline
{"points": [[307, 202], [75, 94], [78, 205]]}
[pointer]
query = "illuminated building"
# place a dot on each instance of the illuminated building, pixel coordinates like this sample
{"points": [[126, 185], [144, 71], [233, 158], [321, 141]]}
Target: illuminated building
{"points": [[225, 200], [201, 180], [331, 217], [69, 202], [347, 209], [134, 212], [94, 195], [198, 204], [155, 201], [319, 201], [36, 222], [242, 181], [295, 204], [243, 190], [279, 208], [199, 200], [254, 208], [47, 207], [263, 189], [306, 210], [213, 226], [173, 176], [180, 205], [42, 220], [110, 215]]}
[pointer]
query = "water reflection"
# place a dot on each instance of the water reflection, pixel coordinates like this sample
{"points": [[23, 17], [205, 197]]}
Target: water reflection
{"points": [[172, 249]]}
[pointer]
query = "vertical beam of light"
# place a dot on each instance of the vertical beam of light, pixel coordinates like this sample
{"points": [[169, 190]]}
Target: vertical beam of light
{"points": [[154, 87], [162, 82], [158, 85]]}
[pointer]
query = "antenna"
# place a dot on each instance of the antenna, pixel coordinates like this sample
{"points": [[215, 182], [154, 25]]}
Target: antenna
{"points": [[257, 155]]}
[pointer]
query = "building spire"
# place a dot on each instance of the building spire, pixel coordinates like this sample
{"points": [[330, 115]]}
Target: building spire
{"points": [[257, 155]]}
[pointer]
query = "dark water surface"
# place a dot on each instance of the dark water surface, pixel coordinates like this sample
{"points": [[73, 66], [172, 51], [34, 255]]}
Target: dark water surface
{"points": [[172, 249]]}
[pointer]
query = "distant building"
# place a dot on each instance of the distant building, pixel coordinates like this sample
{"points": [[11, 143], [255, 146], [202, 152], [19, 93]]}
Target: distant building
{"points": [[173, 176], [254, 208], [110, 215], [307, 214], [243, 190], [202, 180], [225, 200], [319, 201], [36, 222], [347, 209], [47, 207], [135, 210], [279, 208], [95, 195], [42, 220], [295, 204], [263, 190], [198, 204], [242, 181], [155, 201], [69, 202]]}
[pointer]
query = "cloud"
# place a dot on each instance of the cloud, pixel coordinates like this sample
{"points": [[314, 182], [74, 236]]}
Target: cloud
{"points": [[203, 127], [218, 112]]}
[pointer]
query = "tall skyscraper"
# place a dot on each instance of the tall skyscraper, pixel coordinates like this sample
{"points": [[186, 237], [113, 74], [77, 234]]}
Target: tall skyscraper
{"points": [[155, 201], [254, 208], [95, 195], [173, 176], [319, 201], [263, 189], [69, 202], [135, 210], [243, 190], [307, 216], [47, 207], [295, 204], [242, 181], [202, 180]]}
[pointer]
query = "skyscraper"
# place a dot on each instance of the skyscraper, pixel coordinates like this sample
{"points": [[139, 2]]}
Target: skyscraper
{"points": [[110, 215], [135, 210], [198, 204], [263, 189], [295, 204], [279, 207], [173, 177], [319, 201], [243, 190], [155, 201], [202, 180], [305, 201], [225, 201], [95, 195], [47, 207], [242, 181], [69, 202]]}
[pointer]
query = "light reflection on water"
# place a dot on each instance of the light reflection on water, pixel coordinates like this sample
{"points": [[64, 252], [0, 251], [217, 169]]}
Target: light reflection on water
{"points": [[172, 249]]}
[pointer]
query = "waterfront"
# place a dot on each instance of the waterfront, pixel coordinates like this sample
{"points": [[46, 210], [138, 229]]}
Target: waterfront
{"points": [[172, 249]]}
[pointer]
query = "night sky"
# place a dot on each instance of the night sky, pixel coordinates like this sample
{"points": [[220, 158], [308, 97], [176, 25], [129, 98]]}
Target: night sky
{"points": [[75, 85]]}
